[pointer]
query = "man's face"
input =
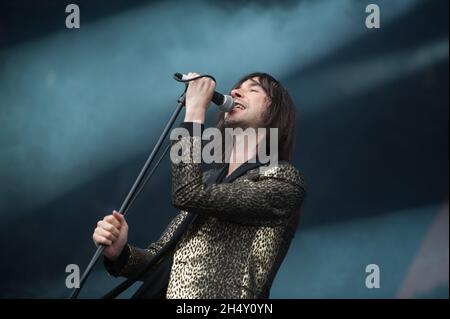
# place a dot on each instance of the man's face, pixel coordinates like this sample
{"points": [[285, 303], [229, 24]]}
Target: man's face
{"points": [[251, 101]]}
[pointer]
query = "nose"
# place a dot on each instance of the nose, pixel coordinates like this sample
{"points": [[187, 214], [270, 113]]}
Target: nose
{"points": [[236, 93]]}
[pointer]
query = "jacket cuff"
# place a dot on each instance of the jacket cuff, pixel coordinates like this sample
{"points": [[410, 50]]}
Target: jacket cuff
{"points": [[115, 267]]}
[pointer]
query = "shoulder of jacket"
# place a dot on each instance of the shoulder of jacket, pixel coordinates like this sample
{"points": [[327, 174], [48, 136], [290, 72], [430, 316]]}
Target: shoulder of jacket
{"points": [[283, 170]]}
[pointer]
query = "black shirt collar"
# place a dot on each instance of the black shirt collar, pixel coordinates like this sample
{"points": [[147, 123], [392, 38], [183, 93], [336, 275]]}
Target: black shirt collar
{"points": [[220, 176]]}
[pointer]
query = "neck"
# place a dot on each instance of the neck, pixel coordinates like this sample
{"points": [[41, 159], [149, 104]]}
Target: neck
{"points": [[243, 150]]}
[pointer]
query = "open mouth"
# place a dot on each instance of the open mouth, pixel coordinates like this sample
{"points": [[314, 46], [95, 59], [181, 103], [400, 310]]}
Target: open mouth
{"points": [[239, 106]]}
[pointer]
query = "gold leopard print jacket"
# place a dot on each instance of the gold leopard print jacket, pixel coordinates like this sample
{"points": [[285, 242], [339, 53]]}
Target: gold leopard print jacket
{"points": [[239, 237]]}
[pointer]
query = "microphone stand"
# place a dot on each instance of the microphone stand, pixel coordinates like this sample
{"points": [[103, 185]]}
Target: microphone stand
{"points": [[135, 189]]}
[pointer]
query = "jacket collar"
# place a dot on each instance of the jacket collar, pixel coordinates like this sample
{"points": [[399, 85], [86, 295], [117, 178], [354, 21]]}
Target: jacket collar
{"points": [[219, 176]]}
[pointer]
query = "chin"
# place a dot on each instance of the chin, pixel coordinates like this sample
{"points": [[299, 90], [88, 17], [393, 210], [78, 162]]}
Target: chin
{"points": [[232, 123]]}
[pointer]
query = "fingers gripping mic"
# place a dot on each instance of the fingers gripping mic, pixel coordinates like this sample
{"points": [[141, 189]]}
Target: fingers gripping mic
{"points": [[224, 102]]}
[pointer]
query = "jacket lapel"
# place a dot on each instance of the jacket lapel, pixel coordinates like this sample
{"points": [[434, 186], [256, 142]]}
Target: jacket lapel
{"points": [[163, 271]]}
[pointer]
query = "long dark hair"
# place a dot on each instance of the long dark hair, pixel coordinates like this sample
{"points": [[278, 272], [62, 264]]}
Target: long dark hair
{"points": [[280, 113]]}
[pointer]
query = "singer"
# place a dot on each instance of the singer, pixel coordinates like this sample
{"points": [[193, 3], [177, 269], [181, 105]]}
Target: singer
{"points": [[236, 221]]}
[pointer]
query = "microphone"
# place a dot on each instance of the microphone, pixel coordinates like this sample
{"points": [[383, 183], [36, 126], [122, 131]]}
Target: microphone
{"points": [[224, 102]]}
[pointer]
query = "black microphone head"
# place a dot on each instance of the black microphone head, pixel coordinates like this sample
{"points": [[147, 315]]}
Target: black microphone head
{"points": [[178, 76]]}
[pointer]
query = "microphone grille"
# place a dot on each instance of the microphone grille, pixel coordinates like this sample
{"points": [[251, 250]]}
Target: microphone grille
{"points": [[227, 104]]}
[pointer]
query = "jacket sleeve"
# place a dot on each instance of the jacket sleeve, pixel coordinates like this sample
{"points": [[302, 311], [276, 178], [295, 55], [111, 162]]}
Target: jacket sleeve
{"points": [[133, 259], [265, 199]]}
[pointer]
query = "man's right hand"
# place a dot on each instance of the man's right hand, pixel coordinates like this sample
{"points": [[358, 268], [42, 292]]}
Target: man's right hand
{"points": [[111, 232]]}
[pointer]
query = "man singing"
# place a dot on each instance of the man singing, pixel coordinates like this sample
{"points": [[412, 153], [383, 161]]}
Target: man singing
{"points": [[236, 221]]}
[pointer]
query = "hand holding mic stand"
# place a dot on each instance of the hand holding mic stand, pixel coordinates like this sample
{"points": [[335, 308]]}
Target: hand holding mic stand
{"points": [[225, 104]]}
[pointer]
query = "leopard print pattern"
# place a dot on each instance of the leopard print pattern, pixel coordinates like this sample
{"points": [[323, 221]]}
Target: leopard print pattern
{"points": [[240, 236], [139, 257], [242, 231]]}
